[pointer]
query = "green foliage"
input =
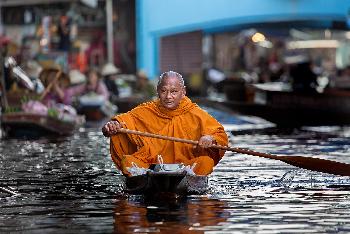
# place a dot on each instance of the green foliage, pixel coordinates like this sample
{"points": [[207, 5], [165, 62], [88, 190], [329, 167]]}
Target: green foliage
{"points": [[12, 109], [25, 98], [52, 112]]}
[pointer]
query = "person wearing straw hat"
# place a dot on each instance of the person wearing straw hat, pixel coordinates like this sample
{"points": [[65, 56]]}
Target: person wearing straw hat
{"points": [[174, 115], [144, 88], [109, 72], [59, 85], [93, 86]]}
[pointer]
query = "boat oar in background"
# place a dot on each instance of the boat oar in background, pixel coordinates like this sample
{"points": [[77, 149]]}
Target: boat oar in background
{"points": [[310, 163], [49, 86]]}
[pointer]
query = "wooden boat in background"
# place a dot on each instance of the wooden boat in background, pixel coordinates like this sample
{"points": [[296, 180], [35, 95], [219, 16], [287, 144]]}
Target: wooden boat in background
{"points": [[94, 107], [96, 110], [232, 120], [92, 113], [125, 104], [279, 104], [22, 124]]}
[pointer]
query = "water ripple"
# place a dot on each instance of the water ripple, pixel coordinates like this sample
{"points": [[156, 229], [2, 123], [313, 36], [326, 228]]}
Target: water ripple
{"points": [[70, 185]]}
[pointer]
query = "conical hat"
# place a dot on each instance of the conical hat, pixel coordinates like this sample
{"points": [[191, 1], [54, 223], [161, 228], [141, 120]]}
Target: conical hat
{"points": [[109, 69]]}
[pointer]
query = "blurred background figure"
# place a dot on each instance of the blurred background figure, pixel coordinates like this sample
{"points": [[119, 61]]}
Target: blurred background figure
{"points": [[93, 86], [96, 51], [58, 93], [303, 77], [143, 87], [55, 100], [109, 73], [214, 79], [91, 98], [33, 69], [63, 30], [342, 80]]}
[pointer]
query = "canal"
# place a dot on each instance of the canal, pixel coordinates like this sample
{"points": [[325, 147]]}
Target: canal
{"points": [[70, 185]]}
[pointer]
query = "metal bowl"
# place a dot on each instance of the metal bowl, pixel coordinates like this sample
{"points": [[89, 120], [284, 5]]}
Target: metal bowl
{"points": [[167, 167]]}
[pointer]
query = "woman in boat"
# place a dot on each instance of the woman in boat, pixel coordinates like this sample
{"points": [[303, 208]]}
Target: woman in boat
{"points": [[58, 92], [172, 114], [94, 85], [55, 100]]}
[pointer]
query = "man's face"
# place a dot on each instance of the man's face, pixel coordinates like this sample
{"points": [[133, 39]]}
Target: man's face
{"points": [[170, 92]]}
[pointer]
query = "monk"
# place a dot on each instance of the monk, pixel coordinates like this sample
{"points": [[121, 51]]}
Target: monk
{"points": [[172, 114]]}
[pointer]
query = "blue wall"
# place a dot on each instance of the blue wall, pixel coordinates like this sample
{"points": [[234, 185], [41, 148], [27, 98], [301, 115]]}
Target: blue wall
{"points": [[157, 18]]}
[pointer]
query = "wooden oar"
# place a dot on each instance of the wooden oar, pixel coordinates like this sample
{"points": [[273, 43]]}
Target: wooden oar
{"points": [[48, 88], [310, 163], [9, 191]]}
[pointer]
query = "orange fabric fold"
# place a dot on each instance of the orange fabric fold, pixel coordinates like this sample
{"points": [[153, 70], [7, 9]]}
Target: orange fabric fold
{"points": [[188, 121]]}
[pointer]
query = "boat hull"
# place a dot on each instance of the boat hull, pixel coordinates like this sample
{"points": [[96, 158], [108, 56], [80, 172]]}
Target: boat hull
{"points": [[178, 183], [92, 113], [295, 109], [20, 124]]}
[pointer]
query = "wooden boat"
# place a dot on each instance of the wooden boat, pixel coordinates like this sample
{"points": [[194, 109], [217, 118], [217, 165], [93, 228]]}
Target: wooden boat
{"points": [[95, 107], [32, 125], [92, 113], [97, 111], [232, 120], [277, 103], [125, 104], [166, 182]]}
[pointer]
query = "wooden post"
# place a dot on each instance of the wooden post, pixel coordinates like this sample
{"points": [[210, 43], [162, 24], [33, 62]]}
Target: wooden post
{"points": [[4, 102], [109, 23]]}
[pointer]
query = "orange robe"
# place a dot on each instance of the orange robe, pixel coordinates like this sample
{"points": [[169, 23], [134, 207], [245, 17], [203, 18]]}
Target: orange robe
{"points": [[188, 121]]}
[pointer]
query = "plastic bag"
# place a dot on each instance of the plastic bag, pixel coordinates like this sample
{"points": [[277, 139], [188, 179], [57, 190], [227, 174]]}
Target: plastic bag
{"points": [[175, 167], [35, 107], [189, 169], [136, 170]]}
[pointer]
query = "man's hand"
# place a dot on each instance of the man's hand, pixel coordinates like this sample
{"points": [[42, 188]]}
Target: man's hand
{"points": [[206, 141], [111, 128]]}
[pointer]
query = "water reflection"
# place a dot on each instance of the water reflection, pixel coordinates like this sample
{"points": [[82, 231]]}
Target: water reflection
{"points": [[70, 185], [186, 215]]}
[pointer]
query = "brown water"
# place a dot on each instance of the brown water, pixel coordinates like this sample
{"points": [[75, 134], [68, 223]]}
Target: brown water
{"points": [[69, 185]]}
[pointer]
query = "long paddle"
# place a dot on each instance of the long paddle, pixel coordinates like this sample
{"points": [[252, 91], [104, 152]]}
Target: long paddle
{"points": [[313, 164], [48, 88]]}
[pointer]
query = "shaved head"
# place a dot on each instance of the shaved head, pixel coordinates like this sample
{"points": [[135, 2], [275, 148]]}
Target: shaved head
{"points": [[171, 89], [170, 74]]}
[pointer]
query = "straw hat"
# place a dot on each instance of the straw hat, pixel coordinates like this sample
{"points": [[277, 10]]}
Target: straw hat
{"points": [[109, 69], [141, 74], [76, 77], [33, 69], [48, 74], [49, 64]]}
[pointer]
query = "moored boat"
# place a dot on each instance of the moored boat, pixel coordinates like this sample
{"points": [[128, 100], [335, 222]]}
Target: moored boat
{"points": [[231, 120], [20, 124], [93, 113], [125, 104], [278, 103], [94, 107]]}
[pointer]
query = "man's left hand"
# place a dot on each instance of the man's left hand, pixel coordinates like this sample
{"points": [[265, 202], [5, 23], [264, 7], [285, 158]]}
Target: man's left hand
{"points": [[206, 141]]}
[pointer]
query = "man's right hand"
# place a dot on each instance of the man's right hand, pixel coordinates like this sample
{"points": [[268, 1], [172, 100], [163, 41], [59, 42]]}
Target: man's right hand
{"points": [[111, 128]]}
